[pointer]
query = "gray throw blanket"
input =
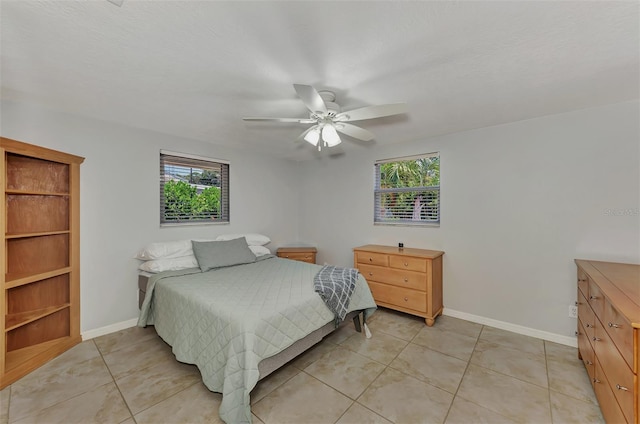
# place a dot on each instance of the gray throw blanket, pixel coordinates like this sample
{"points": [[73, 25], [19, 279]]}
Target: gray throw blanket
{"points": [[335, 286]]}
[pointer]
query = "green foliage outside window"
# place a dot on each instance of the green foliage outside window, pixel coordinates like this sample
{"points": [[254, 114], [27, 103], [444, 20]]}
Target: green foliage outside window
{"points": [[183, 202]]}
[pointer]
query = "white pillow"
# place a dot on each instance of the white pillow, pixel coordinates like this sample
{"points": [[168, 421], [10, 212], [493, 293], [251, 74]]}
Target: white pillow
{"points": [[260, 250], [165, 250], [252, 238], [170, 264]]}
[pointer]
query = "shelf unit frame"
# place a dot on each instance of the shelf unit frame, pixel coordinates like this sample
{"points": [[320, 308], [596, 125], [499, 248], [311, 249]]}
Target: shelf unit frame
{"points": [[33, 330]]}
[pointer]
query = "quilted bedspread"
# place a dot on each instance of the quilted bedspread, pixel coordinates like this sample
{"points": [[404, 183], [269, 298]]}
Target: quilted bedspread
{"points": [[229, 319]]}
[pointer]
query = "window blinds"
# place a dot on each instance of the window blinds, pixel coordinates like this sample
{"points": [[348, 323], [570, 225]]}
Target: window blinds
{"points": [[193, 189]]}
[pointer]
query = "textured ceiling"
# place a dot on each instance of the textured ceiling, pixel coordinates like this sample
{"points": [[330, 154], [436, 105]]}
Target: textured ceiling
{"points": [[195, 68]]}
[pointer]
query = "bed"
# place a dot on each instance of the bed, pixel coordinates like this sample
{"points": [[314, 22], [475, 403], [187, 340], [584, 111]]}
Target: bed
{"points": [[240, 323]]}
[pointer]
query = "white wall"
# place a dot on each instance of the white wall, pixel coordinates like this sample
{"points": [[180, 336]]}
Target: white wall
{"points": [[119, 201], [519, 203]]}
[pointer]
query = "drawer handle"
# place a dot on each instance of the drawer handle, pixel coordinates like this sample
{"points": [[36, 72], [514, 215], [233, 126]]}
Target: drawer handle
{"points": [[406, 280], [406, 299], [595, 380], [286, 256], [593, 297], [370, 259], [371, 274], [582, 280], [589, 363], [596, 339], [406, 264], [619, 387], [612, 325]]}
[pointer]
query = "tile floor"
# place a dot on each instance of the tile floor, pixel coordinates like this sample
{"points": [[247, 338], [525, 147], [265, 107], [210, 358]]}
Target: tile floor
{"points": [[453, 372]]}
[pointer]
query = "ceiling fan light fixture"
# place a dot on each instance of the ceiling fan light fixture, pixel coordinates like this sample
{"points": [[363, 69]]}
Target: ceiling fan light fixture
{"points": [[313, 136], [330, 135]]}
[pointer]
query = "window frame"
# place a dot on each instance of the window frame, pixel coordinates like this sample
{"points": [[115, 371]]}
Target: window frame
{"points": [[378, 191], [186, 160]]}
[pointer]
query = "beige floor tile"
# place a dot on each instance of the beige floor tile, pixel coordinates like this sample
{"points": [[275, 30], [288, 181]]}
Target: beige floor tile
{"points": [[313, 354], [457, 326], [4, 404], [382, 347], [432, 367], [76, 371], [195, 404], [397, 324], [565, 409], [341, 334], [448, 342], [101, 405], [512, 340], [256, 420], [465, 412], [272, 382], [345, 371], [404, 399], [358, 414], [114, 341], [303, 399], [505, 395], [138, 356], [560, 353], [515, 363], [151, 385], [571, 379], [128, 421]]}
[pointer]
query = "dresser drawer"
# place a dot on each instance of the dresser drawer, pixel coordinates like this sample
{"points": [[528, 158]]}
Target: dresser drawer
{"points": [[583, 282], [607, 400], [586, 315], [406, 298], [596, 300], [618, 373], [396, 277], [620, 331], [303, 257], [372, 258], [408, 263], [586, 351]]}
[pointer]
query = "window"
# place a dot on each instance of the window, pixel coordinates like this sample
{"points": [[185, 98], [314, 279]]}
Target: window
{"points": [[193, 189], [407, 190]]}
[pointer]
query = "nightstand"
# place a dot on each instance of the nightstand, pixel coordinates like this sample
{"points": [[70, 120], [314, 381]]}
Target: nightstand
{"points": [[302, 254]]}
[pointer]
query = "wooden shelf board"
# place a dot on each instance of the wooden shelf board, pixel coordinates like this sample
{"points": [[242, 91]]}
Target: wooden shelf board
{"points": [[16, 280], [13, 321], [44, 233], [35, 193]]}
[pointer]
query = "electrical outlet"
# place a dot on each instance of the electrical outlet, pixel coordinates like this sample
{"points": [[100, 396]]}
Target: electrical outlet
{"points": [[573, 311]]}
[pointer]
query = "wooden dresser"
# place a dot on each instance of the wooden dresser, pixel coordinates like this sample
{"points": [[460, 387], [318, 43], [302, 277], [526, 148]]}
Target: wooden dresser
{"points": [[609, 335], [407, 280], [303, 254]]}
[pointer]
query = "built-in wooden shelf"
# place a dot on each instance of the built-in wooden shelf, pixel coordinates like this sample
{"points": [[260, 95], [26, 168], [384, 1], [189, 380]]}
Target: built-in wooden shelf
{"points": [[43, 233], [13, 321], [35, 193], [40, 256], [15, 280]]}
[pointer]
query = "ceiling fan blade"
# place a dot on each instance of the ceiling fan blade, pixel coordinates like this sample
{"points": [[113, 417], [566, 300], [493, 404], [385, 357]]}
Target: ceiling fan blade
{"points": [[295, 120], [311, 99], [353, 131], [370, 112]]}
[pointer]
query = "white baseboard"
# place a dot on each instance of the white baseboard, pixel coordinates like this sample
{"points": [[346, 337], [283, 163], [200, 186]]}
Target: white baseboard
{"points": [[544, 335], [92, 334]]}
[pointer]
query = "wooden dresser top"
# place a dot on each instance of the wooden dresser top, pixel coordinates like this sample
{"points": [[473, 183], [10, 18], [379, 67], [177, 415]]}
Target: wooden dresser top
{"points": [[393, 250], [620, 283]]}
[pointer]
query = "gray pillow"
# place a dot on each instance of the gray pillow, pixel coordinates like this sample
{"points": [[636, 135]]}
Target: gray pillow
{"points": [[216, 254]]}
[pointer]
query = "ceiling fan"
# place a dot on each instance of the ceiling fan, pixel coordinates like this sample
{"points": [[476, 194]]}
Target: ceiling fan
{"points": [[328, 120]]}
